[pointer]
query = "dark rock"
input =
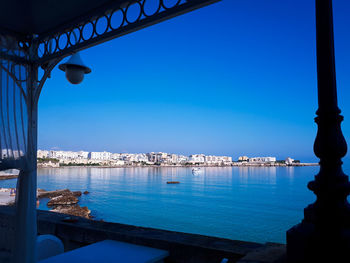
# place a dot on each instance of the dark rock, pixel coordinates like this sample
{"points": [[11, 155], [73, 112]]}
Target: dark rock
{"points": [[86, 192], [63, 200], [77, 193], [51, 194], [74, 210]]}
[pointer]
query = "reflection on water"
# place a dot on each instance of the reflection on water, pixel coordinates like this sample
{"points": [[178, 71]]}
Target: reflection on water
{"points": [[257, 175], [246, 203]]}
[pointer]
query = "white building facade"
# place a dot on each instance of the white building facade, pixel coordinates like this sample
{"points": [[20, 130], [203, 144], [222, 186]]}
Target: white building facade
{"points": [[105, 156], [197, 158], [43, 154], [262, 160]]}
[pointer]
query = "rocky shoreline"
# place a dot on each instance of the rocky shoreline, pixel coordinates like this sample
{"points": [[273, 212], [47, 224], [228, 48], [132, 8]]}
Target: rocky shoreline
{"points": [[65, 201], [62, 201]]}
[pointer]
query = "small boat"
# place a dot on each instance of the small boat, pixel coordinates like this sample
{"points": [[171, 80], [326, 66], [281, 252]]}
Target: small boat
{"points": [[196, 171], [173, 182]]}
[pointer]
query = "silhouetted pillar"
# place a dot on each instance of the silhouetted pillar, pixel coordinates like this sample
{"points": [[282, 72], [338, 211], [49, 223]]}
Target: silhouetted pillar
{"points": [[324, 234], [25, 222]]}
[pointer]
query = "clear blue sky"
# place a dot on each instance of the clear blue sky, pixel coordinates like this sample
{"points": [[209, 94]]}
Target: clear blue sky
{"points": [[234, 78]]}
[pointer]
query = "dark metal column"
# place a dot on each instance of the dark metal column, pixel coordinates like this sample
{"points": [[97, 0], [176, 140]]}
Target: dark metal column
{"points": [[25, 221], [324, 234]]}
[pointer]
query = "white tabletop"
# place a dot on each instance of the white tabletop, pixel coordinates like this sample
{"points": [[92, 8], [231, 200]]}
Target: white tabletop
{"points": [[110, 251]]}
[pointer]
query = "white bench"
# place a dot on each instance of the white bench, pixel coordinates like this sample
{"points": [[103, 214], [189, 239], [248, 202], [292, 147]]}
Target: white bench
{"points": [[110, 251]]}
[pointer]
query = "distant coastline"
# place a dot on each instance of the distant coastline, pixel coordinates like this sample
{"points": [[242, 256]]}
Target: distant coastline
{"points": [[156, 159], [235, 164]]}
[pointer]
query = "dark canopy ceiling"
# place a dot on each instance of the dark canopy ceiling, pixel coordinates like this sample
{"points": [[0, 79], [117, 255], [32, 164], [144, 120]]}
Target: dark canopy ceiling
{"points": [[61, 27], [27, 17]]}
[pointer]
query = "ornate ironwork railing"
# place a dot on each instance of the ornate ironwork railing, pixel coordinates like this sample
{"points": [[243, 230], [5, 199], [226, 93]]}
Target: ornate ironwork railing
{"points": [[13, 49], [105, 25]]}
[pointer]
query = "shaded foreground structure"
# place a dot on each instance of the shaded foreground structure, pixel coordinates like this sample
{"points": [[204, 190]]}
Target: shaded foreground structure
{"points": [[182, 247], [36, 35]]}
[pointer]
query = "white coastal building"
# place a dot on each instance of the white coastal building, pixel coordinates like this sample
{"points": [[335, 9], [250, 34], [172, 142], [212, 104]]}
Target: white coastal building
{"points": [[262, 160], [182, 159], [197, 158], [212, 159], [116, 156], [243, 158], [100, 155], [157, 157], [138, 157], [289, 161], [43, 154], [174, 158], [83, 155], [67, 155]]}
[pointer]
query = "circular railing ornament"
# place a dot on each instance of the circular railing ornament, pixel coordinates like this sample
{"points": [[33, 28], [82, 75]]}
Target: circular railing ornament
{"points": [[127, 14]]}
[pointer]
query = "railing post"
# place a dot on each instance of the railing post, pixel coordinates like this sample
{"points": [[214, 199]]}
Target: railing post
{"points": [[324, 234]]}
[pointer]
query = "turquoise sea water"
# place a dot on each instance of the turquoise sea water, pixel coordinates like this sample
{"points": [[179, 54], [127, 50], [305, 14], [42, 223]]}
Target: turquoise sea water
{"points": [[252, 204]]}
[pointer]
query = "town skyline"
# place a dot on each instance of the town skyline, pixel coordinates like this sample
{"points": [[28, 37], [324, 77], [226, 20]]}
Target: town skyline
{"points": [[233, 156], [52, 158], [151, 157]]}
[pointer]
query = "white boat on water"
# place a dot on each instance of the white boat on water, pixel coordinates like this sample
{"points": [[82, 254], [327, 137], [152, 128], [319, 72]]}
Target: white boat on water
{"points": [[196, 171]]}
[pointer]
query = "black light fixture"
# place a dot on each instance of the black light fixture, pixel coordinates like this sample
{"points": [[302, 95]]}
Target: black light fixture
{"points": [[75, 69]]}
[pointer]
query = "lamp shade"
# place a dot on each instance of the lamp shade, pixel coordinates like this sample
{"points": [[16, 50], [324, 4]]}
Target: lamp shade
{"points": [[75, 69]]}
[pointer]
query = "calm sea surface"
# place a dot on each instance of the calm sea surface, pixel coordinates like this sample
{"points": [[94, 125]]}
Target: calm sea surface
{"points": [[253, 204]]}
